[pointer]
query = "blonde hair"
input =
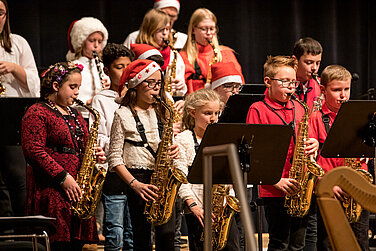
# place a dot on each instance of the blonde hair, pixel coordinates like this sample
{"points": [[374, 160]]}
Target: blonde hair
{"points": [[196, 100], [153, 20], [190, 46], [273, 63], [334, 72]]}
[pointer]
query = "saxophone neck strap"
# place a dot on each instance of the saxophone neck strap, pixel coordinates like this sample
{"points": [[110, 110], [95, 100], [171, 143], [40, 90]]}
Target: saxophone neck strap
{"points": [[141, 130], [197, 145], [326, 121], [292, 123]]}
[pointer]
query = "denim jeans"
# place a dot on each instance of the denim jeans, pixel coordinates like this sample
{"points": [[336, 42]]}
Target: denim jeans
{"points": [[117, 223]]}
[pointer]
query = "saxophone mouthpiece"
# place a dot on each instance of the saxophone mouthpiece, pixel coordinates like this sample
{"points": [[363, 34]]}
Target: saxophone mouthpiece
{"points": [[157, 98], [166, 41]]}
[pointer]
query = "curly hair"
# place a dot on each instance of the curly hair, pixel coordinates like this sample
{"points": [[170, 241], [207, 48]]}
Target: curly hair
{"points": [[59, 73], [114, 51]]}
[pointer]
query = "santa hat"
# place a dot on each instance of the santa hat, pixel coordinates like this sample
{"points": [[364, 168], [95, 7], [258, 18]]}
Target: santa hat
{"points": [[223, 73], [143, 51], [159, 4], [79, 30], [136, 72]]}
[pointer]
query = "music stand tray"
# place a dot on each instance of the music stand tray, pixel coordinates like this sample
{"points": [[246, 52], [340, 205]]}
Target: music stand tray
{"points": [[346, 136], [269, 146], [237, 107]]}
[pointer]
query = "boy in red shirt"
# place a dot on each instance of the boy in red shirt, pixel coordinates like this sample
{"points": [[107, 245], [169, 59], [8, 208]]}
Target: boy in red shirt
{"points": [[336, 84], [308, 52], [285, 232]]}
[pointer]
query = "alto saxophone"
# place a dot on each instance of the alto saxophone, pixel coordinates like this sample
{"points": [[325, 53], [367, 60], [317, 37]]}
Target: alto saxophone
{"points": [[170, 76], [91, 176], [317, 104], [167, 179], [224, 207], [304, 169], [214, 60], [352, 208]]}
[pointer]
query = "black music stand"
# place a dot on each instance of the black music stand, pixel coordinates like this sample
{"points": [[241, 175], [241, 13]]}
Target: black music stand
{"points": [[237, 107], [351, 134], [11, 111], [268, 145]]}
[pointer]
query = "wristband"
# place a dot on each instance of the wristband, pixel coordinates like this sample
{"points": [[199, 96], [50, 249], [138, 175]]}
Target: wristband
{"points": [[61, 182], [192, 205], [130, 183]]}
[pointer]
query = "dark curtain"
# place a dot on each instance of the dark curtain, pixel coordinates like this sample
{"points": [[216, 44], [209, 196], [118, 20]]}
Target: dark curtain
{"points": [[253, 28]]}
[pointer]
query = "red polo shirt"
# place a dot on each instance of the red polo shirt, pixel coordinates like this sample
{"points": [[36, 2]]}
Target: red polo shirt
{"points": [[317, 131], [312, 92], [260, 113]]}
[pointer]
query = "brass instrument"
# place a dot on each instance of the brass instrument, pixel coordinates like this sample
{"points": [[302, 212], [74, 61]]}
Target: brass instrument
{"points": [[2, 87], [99, 68], [169, 77], [91, 176], [166, 178], [224, 207], [351, 207], [304, 169], [214, 60], [317, 104]]}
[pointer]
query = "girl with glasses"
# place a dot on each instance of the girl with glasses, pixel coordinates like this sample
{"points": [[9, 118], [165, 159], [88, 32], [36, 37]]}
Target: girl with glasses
{"points": [[198, 54]]}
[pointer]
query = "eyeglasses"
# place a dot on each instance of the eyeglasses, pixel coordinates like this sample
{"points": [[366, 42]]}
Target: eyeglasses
{"points": [[232, 87], [212, 29], [2, 13], [287, 83], [153, 83]]}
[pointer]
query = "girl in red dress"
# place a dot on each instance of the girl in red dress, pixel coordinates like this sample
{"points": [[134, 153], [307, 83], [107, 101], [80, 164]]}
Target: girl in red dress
{"points": [[53, 140]]}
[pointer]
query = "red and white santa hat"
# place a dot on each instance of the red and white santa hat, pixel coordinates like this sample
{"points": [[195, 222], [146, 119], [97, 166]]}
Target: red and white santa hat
{"points": [[159, 4], [143, 51], [79, 30], [136, 72], [223, 73]]}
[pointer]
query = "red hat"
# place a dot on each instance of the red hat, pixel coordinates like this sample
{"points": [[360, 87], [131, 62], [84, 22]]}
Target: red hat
{"points": [[223, 73], [143, 51], [136, 72], [159, 4]]}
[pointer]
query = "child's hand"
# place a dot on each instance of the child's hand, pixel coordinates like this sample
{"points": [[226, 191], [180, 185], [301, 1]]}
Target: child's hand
{"points": [[311, 146], [99, 153], [174, 151], [7, 67], [179, 105], [177, 85], [177, 127], [146, 191], [71, 188], [339, 193], [288, 186]]}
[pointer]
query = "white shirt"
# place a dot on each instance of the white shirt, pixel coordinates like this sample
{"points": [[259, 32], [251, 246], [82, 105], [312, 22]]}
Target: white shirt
{"points": [[179, 44], [124, 127], [23, 56], [91, 83], [104, 103]]}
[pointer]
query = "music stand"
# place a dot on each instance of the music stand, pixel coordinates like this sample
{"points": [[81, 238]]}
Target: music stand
{"points": [[11, 111], [237, 107], [268, 149], [350, 130]]}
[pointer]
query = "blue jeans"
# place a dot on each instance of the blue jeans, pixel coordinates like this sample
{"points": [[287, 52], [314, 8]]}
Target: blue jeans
{"points": [[117, 223]]}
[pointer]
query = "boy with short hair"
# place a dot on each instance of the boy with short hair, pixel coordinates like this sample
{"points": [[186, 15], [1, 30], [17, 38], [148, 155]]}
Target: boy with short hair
{"points": [[117, 225], [285, 232], [336, 85], [308, 52]]}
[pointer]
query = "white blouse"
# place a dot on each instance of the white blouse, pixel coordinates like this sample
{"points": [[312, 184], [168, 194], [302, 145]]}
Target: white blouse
{"points": [[124, 127], [22, 55]]}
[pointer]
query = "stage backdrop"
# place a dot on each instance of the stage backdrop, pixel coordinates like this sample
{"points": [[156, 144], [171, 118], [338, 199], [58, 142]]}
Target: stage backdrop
{"points": [[253, 28]]}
